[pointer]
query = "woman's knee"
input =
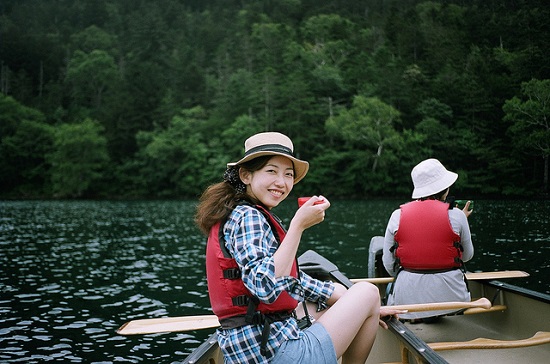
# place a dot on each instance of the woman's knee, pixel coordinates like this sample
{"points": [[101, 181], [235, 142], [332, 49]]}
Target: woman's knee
{"points": [[368, 291]]}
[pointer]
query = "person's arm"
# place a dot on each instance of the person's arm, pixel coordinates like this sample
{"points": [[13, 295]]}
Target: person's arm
{"points": [[305, 217], [323, 293], [459, 222]]}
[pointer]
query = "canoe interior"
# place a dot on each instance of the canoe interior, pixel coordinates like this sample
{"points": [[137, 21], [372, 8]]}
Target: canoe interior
{"points": [[526, 313]]}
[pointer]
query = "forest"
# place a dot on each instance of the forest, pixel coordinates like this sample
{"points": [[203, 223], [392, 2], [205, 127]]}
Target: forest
{"points": [[106, 99]]}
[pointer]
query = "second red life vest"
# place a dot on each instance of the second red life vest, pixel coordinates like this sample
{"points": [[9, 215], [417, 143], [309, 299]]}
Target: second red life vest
{"points": [[425, 238], [225, 286]]}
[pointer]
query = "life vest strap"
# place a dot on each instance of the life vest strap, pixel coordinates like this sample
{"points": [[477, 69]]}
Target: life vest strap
{"points": [[430, 271], [257, 319]]}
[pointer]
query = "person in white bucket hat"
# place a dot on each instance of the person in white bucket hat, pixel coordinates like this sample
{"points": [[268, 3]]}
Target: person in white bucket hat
{"points": [[426, 244], [431, 177], [254, 285]]}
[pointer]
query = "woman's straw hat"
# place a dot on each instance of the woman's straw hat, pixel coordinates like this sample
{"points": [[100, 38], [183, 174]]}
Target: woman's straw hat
{"points": [[272, 143], [430, 177]]}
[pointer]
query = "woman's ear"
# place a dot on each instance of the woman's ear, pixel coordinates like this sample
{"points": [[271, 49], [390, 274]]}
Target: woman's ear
{"points": [[245, 176]]}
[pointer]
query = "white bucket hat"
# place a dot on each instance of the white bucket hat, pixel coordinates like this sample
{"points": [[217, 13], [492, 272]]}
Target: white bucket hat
{"points": [[430, 177], [272, 143]]}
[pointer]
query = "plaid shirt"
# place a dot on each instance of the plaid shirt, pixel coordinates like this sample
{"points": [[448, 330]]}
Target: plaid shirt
{"points": [[251, 242]]}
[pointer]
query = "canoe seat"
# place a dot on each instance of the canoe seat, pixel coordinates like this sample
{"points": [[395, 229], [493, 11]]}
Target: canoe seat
{"points": [[375, 248], [541, 337]]}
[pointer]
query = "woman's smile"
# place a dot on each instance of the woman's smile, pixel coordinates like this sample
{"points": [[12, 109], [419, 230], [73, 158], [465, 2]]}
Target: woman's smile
{"points": [[271, 184]]}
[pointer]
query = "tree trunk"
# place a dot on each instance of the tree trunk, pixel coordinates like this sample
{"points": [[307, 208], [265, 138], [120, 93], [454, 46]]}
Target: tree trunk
{"points": [[545, 178], [376, 157]]}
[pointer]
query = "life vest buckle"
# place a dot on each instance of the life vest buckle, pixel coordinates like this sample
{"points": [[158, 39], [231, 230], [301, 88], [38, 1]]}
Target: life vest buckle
{"points": [[257, 318], [232, 273], [241, 300]]}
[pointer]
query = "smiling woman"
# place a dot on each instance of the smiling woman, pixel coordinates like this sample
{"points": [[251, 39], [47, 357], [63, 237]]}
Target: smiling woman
{"points": [[254, 283]]}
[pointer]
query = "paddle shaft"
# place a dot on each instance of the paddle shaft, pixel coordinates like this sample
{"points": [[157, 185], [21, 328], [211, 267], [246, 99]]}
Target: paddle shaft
{"points": [[189, 323], [481, 303], [472, 276]]}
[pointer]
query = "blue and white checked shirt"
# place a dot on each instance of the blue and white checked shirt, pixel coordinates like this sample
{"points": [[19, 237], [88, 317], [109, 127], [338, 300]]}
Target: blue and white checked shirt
{"points": [[251, 242]]}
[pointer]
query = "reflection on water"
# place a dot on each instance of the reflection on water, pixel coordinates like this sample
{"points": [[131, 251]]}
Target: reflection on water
{"points": [[72, 272], [514, 235]]}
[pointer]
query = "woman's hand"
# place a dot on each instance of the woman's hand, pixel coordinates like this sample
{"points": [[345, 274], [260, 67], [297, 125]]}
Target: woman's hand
{"points": [[467, 210], [311, 212], [386, 313]]}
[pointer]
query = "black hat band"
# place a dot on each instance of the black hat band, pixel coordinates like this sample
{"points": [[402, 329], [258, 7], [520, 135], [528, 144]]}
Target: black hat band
{"points": [[277, 148]]}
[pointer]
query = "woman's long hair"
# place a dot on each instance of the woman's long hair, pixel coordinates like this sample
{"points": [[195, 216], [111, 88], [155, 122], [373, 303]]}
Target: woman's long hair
{"points": [[218, 200]]}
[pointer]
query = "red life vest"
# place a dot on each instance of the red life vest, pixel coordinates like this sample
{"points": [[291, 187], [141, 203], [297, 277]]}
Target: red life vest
{"points": [[228, 295], [425, 238]]}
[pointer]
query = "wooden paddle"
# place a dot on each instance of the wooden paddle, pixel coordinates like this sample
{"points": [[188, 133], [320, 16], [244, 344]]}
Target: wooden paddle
{"points": [[472, 276], [169, 324], [188, 323]]}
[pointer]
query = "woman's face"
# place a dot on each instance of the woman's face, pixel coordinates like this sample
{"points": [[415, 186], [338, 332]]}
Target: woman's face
{"points": [[272, 183]]}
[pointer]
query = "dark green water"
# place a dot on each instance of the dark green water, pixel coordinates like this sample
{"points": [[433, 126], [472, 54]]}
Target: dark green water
{"points": [[72, 272]]}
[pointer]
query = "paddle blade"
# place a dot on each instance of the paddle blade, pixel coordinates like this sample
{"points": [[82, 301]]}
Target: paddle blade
{"points": [[169, 324], [471, 276], [479, 276]]}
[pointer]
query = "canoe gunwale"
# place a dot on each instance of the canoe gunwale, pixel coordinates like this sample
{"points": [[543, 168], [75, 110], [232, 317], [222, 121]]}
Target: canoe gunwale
{"points": [[538, 296], [204, 350], [415, 346]]}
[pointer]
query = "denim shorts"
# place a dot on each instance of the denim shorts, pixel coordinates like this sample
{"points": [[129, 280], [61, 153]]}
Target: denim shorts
{"points": [[314, 347]]}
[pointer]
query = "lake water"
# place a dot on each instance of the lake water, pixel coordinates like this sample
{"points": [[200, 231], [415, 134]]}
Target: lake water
{"points": [[71, 272]]}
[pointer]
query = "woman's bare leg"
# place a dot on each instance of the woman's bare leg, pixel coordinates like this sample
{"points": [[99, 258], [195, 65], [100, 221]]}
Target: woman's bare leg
{"points": [[352, 322]]}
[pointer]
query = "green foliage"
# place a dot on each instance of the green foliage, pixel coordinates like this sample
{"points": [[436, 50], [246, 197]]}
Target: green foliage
{"points": [[364, 89], [89, 75], [24, 142], [530, 114], [369, 123], [175, 158], [13, 112], [26, 168], [94, 38], [232, 138], [78, 159]]}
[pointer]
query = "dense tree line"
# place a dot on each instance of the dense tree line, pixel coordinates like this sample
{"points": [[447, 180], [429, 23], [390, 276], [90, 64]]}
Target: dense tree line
{"points": [[134, 98]]}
